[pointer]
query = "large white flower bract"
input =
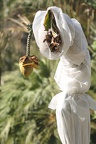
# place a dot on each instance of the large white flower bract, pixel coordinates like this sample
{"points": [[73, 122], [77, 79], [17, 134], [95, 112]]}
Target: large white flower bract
{"points": [[40, 33], [72, 75]]}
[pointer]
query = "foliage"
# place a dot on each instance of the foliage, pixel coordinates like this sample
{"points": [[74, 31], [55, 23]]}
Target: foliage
{"points": [[21, 120], [24, 114]]}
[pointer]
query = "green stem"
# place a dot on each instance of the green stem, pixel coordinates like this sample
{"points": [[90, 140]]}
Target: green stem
{"points": [[29, 27]]}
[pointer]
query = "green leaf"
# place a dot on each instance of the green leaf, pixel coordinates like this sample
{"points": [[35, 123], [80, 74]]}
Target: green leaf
{"points": [[47, 21], [94, 45]]}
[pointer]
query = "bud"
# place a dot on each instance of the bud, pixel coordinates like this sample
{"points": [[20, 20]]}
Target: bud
{"points": [[27, 63]]}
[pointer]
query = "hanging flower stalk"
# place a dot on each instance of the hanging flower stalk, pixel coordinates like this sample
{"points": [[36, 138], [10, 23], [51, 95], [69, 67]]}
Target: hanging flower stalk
{"points": [[27, 62]]}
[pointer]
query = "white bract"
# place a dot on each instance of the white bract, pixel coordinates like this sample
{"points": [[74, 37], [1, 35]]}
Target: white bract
{"points": [[72, 76]]}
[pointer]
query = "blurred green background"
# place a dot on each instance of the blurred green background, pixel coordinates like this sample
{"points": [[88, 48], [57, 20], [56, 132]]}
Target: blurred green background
{"points": [[24, 114]]}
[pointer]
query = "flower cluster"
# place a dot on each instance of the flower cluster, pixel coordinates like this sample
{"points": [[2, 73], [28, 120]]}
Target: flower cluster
{"points": [[53, 37]]}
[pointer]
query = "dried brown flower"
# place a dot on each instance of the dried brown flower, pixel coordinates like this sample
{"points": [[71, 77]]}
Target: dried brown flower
{"points": [[53, 37], [27, 63]]}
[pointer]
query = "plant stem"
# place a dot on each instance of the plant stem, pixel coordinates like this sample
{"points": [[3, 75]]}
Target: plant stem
{"points": [[29, 27]]}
